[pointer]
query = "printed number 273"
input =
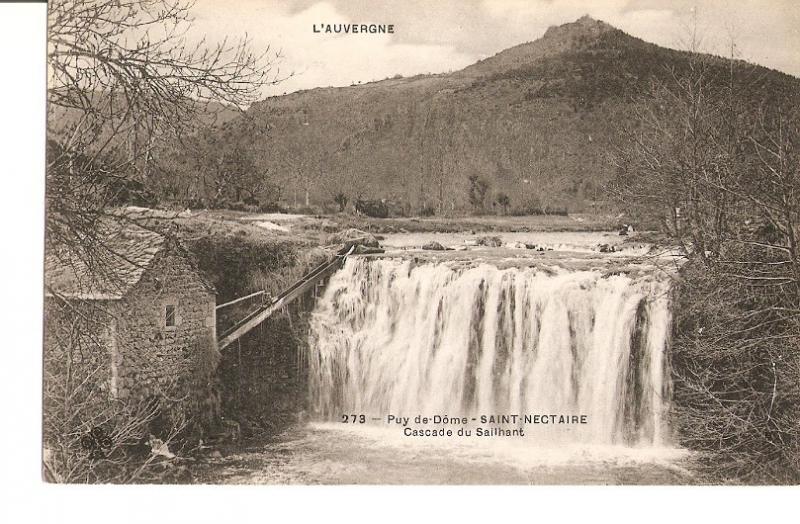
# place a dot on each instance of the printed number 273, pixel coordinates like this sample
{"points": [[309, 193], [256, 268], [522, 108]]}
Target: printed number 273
{"points": [[353, 419]]}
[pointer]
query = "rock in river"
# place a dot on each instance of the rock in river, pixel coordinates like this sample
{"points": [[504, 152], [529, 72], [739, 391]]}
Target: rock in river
{"points": [[434, 246]]}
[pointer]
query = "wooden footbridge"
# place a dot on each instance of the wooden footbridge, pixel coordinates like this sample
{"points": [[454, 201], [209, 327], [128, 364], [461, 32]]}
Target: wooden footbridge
{"points": [[296, 290]]}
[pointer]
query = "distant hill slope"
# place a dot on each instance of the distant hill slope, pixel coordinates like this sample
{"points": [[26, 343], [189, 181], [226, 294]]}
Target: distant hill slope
{"points": [[536, 121]]}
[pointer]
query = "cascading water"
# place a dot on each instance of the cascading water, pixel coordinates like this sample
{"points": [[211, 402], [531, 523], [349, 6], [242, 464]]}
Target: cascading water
{"points": [[389, 336]]}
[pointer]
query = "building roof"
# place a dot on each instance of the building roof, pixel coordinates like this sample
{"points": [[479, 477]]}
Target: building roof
{"points": [[108, 271]]}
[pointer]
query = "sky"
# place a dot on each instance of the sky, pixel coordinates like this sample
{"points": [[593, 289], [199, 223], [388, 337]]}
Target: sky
{"points": [[436, 36]]}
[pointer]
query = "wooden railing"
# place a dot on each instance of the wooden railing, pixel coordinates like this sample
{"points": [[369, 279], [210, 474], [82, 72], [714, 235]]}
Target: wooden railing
{"points": [[297, 289]]}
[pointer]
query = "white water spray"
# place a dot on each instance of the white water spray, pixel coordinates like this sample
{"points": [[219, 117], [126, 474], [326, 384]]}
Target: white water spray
{"points": [[389, 336]]}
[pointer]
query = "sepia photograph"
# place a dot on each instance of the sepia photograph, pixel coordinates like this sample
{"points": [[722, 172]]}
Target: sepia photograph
{"points": [[450, 242]]}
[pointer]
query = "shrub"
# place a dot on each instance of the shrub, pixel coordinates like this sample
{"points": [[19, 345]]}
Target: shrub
{"points": [[91, 437], [372, 208], [340, 200], [427, 211], [535, 210], [735, 369]]}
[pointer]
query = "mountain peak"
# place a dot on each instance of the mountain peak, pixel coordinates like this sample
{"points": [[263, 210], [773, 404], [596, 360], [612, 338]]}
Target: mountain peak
{"points": [[585, 26], [557, 39]]}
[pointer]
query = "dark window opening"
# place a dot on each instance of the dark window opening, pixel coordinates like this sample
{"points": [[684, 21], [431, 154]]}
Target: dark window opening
{"points": [[169, 317]]}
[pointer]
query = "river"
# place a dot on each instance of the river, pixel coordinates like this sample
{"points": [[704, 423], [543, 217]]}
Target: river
{"points": [[545, 325], [337, 454]]}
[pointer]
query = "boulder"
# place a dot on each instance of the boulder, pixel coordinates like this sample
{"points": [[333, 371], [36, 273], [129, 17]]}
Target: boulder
{"points": [[434, 246], [490, 241]]}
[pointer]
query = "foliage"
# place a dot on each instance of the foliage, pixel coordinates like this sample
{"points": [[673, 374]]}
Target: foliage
{"points": [[232, 262], [736, 364], [536, 210], [123, 80], [503, 200], [218, 168], [341, 200], [427, 210], [77, 404], [478, 187], [372, 208], [715, 161]]}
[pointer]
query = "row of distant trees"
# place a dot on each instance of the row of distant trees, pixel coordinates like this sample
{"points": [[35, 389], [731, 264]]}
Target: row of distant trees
{"points": [[478, 188], [478, 197]]}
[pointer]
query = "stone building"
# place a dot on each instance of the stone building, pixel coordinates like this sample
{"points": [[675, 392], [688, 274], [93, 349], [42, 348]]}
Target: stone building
{"points": [[140, 323]]}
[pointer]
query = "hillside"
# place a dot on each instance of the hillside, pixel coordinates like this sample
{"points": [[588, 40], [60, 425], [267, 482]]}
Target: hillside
{"points": [[536, 121]]}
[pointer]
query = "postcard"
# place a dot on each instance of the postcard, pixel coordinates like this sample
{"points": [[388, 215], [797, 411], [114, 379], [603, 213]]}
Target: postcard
{"points": [[451, 242]]}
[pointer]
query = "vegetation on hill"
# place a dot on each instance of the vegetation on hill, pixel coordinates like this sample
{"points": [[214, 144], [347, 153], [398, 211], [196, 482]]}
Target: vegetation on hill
{"points": [[537, 122]]}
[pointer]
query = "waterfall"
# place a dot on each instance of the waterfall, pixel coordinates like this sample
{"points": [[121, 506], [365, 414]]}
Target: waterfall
{"points": [[391, 336]]}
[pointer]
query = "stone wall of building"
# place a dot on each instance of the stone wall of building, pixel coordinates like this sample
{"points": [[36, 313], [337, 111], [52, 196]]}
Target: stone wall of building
{"points": [[153, 357], [130, 346]]}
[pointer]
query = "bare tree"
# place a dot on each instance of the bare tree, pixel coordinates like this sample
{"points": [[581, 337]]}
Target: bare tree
{"points": [[90, 436], [713, 158], [123, 77]]}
